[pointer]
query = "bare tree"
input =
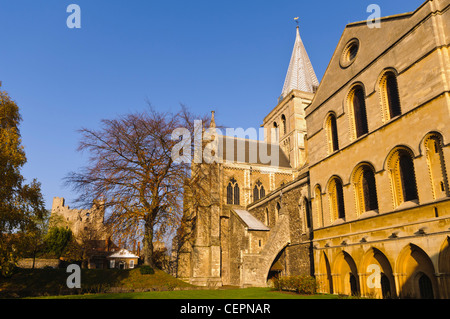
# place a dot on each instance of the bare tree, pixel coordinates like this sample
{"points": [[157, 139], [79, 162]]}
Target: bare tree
{"points": [[132, 171]]}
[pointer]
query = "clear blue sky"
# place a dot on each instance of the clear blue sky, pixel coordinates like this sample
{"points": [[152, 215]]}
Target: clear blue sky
{"points": [[230, 56]]}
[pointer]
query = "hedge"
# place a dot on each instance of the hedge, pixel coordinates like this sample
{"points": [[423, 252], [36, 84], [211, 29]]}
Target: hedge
{"points": [[305, 285]]}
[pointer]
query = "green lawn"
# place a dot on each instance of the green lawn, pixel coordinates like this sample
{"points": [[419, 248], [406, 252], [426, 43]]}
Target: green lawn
{"points": [[247, 293], [98, 284]]}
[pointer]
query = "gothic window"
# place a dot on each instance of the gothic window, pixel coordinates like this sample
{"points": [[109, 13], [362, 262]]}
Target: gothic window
{"points": [[332, 134], [337, 199], [436, 166], [255, 193], [366, 190], [230, 194], [358, 111], [233, 197], [267, 220], [262, 192], [258, 191], [401, 168], [236, 195], [390, 96], [283, 121]]}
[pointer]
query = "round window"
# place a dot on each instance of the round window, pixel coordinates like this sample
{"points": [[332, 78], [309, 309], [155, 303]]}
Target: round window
{"points": [[349, 53]]}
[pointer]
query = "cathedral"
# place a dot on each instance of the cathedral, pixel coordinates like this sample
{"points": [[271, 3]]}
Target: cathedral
{"points": [[357, 192]]}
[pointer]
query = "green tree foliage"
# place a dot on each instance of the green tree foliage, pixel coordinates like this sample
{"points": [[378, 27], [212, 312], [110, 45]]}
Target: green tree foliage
{"points": [[21, 205], [56, 240]]}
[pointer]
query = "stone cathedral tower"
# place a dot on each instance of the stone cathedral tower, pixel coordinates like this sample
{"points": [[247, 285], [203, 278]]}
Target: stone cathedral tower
{"points": [[288, 117]]}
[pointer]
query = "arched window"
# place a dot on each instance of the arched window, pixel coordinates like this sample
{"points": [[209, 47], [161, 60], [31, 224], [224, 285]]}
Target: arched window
{"points": [[336, 192], [258, 191], [408, 178], [390, 96], [283, 122], [318, 205], [358, 111], [275, 133], [332, 134], [233, 197], [267, 219], [369, 189], [255, 193], [277, 212], [230, 194], [305, 209], [401, 168], [236, 195], [262, 192], [436, 166], [366, 190]]}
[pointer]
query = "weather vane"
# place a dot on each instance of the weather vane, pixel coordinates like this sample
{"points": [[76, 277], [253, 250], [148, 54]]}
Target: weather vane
{"points": [[296, 20]]}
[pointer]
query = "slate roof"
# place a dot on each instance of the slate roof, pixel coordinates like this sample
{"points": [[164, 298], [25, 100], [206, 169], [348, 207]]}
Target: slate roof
{"points": [[252, 152], [252, 222]]}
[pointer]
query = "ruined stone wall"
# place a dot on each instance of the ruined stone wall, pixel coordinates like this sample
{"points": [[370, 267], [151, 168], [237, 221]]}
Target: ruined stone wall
{"points": [[85, 224]]}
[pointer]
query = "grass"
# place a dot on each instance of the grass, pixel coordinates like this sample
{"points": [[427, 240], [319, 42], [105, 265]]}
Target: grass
{"points": [[247, 293], [124, 284], [46, 282]]}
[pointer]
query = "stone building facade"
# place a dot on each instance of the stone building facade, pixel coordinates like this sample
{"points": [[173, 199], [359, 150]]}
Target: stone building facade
{"points": [[359, 197], [378, 157]]}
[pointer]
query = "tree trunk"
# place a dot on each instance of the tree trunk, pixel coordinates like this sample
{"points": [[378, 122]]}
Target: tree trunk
{"points": [[148, 244]]}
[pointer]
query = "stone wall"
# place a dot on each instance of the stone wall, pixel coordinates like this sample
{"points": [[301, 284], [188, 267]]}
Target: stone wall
{"points": [[39, 263], [296, 254]]}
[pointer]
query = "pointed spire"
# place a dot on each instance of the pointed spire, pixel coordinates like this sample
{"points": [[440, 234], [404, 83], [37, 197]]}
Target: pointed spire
{"points": [[300, 74]]}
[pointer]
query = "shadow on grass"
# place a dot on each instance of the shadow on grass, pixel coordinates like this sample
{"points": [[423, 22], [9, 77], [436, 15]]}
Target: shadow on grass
{"points": [[47, 282]]}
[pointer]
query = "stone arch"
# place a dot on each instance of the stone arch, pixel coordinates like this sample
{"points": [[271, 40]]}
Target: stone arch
{"points": [[345, 275], [380, 285], [412, 263], [324, 278], [256, 267]]}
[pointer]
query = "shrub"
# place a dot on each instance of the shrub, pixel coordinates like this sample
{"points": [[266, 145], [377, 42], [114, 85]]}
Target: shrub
{"points": [[146, 270], [305, 285]]}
